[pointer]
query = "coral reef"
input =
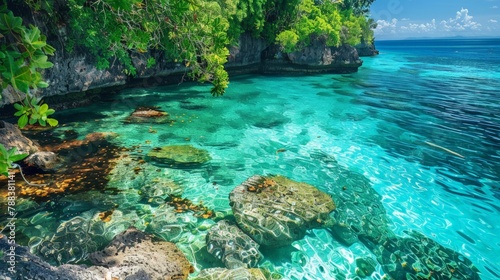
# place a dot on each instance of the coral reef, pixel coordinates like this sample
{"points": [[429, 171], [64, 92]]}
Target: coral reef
{"points": [[228, 243], [275, 210]]}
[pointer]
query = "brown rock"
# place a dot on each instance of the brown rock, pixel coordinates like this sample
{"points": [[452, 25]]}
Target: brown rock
{"points": [[136, 254]]}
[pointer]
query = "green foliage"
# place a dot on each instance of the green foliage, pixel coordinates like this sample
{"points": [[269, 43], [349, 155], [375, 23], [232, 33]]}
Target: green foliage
{"points": [[192, 33], [33, 111], [7, 158], [334, 22], [312, 21], [23, 54]]}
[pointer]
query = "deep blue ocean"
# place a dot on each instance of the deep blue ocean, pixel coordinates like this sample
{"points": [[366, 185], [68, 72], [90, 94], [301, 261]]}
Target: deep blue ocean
{"points": [[420, 121]]}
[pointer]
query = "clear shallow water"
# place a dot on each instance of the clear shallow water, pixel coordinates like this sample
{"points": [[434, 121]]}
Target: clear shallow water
{"points": [[421, 121]]}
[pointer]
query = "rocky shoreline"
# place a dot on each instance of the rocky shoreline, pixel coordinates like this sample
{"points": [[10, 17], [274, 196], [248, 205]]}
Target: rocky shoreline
{"points": [[75, 81]]}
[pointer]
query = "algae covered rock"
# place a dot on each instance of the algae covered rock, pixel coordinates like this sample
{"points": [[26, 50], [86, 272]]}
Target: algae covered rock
{"points": [[136, 255], [231, 274], [275, 210], [233, 247], [419, 257], [179, 155]]}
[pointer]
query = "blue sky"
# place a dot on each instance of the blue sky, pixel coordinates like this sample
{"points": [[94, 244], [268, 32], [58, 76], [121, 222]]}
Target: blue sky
{"points": [[400, 19]]}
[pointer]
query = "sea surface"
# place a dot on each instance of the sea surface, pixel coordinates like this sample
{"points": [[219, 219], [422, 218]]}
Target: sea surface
{"points": [[420, 121]]}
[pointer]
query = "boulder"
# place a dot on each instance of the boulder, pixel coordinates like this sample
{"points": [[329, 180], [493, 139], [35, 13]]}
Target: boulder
{"points": [[275, 210], [179, 155], [11, 136], [233, 247], [45, 161], [136, 255]]}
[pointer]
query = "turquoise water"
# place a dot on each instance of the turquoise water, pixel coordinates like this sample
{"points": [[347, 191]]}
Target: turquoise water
{"points": [[421, 122]]}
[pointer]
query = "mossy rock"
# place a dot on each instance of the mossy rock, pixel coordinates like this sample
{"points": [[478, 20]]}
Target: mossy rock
{"points": [[179, 155]]}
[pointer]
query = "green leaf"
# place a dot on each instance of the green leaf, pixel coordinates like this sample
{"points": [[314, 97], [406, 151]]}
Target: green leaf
{"points": [[43, 109], [50, 112], [17, 157], [18, 113], [42, 84], [41, 62], [18, 106], [3, 151], [42, 122], [33, 120], [52, 122], [48, 49], [23, 120], [8, 22], [4, 169], [11, 152]]}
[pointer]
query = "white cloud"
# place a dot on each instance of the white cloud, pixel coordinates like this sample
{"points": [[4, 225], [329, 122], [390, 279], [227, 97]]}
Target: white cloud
{"points": [[493, 21], [384, 26], [462, 21], [422, 27], [494, 7]]}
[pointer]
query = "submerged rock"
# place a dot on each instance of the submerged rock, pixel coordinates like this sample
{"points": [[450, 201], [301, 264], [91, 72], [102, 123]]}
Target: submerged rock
{"points": [[147, 115], [230, 274], [419, 257], [275, 210], [135, 255], [233, 247], [359, 210], [365, 266], [179, 155], [29, 266]]}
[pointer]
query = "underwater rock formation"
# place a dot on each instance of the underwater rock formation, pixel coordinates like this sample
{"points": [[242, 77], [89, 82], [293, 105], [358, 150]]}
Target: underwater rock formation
{"points": [[29, 266], [12, 137], [147, 115], [359, 211], [419, 257], [179, 155], [231, 274], [135, 255], [275, 210], [233, 247], [71, 242]]}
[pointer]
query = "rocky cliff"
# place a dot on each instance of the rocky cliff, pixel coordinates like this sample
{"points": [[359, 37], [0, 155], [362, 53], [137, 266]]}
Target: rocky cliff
{"points": [[76, 72]]}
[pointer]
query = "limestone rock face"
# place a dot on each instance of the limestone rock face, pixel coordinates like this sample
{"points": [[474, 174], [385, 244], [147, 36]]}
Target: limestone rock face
{"points": [[179, 154], [11, 136], [134, 254], [233, 247], [275, 210], [366, 49]]}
